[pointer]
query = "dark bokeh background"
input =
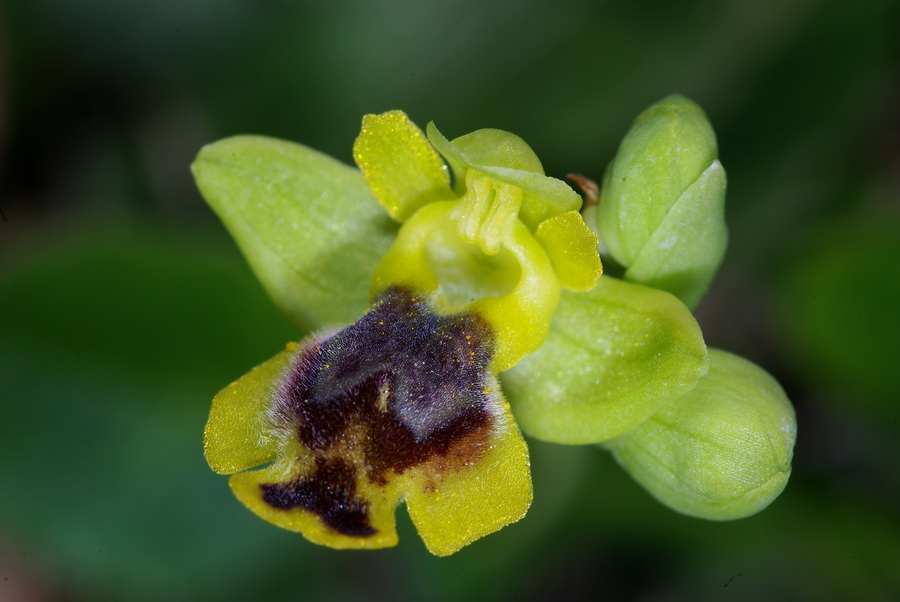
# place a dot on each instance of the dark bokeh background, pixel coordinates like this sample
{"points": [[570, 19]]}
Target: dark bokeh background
{"points": [[124, 306]]}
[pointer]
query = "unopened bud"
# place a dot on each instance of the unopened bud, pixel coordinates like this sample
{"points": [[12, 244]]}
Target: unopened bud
{"points": [[721, 451], [661, 211]]}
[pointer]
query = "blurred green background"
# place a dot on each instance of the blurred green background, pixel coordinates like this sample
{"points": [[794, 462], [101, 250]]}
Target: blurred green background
{"points": [[124, 306]]}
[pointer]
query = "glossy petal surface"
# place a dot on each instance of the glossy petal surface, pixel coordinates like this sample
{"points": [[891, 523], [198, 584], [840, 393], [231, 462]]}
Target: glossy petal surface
{"points": [[613, 357]]}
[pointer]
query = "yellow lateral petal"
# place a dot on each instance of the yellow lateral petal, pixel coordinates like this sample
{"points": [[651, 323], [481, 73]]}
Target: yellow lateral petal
{"points": [[573, 250], [238, 435], [401, 167], [454, 509]]}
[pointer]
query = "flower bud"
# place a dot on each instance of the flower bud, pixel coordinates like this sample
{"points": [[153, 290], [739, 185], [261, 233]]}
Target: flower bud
{"points": [[661, 212], [721, 451]]}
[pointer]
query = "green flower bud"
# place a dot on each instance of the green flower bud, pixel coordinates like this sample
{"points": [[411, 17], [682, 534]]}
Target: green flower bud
{"points": [[661, 212], [721, 451]]}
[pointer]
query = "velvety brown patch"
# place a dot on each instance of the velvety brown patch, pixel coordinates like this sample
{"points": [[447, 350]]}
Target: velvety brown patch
{"points": [[401, 387], [330, 492]]}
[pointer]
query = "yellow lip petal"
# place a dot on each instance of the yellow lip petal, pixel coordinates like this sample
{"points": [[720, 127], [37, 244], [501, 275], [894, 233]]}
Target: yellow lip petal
{"points": [[338, 519], [238, 435], [453, 508], [399, 405]]}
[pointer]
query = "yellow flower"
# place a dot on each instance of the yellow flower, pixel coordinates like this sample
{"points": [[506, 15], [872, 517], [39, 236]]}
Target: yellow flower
{"points": [[482, 272], [404, 404]]}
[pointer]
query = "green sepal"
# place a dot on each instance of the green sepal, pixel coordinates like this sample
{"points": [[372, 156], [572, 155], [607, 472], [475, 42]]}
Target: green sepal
{"points": [[498, 148], [306, 223], [507, 158], [723, 450], [661, 212], [614, 355]]}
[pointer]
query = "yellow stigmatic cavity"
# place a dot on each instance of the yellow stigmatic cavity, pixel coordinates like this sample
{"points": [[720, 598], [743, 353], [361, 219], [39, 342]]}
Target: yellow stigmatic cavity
{"points": [[399, 406], [401, 168], [515, 290], [501, 249]]}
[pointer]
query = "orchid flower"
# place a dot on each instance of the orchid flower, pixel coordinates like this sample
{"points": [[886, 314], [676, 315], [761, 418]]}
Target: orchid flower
{"points": [[454, 296]]}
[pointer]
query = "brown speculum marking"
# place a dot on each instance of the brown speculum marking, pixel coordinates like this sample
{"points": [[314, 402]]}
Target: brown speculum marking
{"points": [[331, 495], [399, 388]]}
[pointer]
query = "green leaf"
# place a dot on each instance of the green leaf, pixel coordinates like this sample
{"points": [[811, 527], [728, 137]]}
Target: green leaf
{"points": [[613, 357], [661, 212], [720, 452], [307, 224]]}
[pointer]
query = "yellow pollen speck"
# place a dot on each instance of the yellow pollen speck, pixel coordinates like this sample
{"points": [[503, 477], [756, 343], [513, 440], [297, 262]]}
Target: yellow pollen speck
{"points": [[383, 397], [290, 346]]}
